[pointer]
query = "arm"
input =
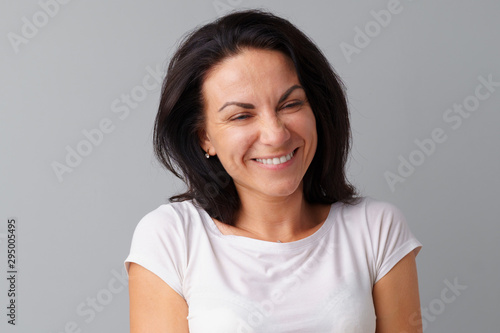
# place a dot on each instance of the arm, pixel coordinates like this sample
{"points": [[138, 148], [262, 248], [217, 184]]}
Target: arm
{"points": [[396, 299], [154, 306]]}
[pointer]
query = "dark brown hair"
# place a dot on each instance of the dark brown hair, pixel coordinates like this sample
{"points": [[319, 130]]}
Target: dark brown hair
{"points": [[180, 116]]}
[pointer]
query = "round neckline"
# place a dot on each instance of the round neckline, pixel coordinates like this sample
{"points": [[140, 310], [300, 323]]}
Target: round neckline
{"points": [[253, 243]]}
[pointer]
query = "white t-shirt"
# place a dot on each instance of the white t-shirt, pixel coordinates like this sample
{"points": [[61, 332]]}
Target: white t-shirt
{"points": [[321, 283]]}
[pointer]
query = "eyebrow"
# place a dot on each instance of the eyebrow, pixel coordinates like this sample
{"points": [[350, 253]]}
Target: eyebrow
{"points": [[251, 106]]}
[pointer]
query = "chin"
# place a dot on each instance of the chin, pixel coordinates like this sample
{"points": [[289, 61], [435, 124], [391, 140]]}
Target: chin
{"points": [[281, 190]]}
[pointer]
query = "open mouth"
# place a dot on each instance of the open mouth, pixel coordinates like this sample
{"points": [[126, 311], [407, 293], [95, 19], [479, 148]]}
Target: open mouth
{"points": [[276, 160]]}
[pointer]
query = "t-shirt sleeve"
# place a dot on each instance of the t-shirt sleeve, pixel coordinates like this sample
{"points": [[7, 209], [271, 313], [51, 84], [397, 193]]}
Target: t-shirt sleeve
{"points": [[391, 236], [159, 246]]}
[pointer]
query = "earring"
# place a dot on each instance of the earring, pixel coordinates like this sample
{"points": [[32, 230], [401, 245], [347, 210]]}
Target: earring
{"points": [[207, 155]]}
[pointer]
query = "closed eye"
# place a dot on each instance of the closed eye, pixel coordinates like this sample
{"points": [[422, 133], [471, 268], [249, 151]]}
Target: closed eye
{"points": [[241, 117], [292, 105]]}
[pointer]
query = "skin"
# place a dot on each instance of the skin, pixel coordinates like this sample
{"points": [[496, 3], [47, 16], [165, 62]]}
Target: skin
{"points": [[256, 108], [154, 306], [396, 299]]}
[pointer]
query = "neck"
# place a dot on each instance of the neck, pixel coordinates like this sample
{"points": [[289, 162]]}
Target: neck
{"points": [[285, 219]]}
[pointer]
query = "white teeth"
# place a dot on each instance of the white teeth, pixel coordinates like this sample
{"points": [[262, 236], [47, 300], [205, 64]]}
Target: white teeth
{"points": [[275, 160]]}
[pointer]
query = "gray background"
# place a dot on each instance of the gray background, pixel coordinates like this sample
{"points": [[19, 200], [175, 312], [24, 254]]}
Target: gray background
{"points": [[74, 231]]}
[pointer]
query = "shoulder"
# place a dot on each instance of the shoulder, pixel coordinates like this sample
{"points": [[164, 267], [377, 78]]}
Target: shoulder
{"points": [[160, 242], [168, 220], [370, 209], [382, 210], [384, 215], [170, 213], [380, 221]]}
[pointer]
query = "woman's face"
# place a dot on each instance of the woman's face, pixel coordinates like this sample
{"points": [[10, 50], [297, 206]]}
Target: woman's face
{"points": [[259, 122]]}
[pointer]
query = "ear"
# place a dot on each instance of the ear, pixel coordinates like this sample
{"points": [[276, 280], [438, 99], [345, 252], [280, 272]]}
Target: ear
{"points": [[205, 142]]}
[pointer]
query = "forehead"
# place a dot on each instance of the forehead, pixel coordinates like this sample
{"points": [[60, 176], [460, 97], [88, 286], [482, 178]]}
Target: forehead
{"points": [[249, 71]]}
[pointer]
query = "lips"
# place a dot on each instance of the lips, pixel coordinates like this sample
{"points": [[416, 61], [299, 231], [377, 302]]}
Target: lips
{"points": [[276, 160]]}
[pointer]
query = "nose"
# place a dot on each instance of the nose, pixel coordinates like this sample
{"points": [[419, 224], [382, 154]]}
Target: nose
{"points": [[273, 130]]}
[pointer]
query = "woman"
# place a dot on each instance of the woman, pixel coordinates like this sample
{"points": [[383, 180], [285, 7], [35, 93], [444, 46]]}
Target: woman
{"points": [[269, 236]]}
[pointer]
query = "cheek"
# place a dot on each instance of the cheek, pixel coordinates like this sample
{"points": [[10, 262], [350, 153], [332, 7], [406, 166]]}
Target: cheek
{"points": [[231, 145], [305, 125]]}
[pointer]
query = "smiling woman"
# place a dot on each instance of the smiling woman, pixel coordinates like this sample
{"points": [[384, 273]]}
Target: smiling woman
{"points": [[273, 121], [270, 236]]}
